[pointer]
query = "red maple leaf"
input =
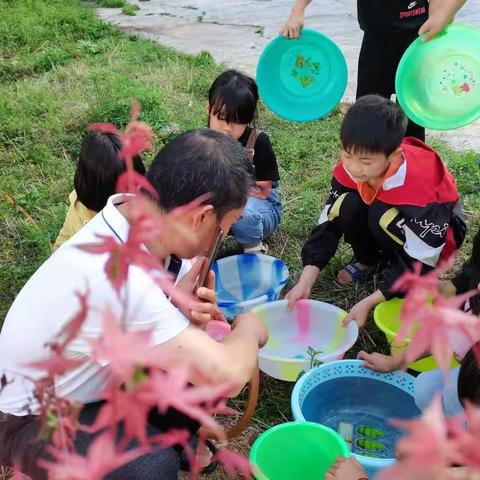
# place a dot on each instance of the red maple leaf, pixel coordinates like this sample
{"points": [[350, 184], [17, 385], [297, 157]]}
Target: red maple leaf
{"points": [[172, 389], [71, 330], [132, 182], [415, 280], [123, 351], [466, 438], [18, 475], [105, 128], [125, 406], [102, 458], [116, 266], [425, 448], [136, 138], [173, 437], [121, 256], [56, 365], [442, 325]]}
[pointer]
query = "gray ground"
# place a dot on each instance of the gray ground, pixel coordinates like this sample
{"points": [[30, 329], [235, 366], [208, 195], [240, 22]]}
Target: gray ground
{"points": [[236, 31]]}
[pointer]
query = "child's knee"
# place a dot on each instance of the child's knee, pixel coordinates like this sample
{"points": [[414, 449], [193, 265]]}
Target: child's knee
{"points": [[426, 386], [352, 212], [249, 228]]}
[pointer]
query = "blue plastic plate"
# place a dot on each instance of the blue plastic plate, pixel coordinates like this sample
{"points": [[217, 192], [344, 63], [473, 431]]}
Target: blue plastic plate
{"points": [[302, 79]]}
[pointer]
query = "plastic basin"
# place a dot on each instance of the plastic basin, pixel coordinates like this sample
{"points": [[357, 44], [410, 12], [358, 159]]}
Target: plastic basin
{"points": [[302, 79], [438, 82], [245, 281], [309, 325], [345, 394], [296, 451], [387, 318]]}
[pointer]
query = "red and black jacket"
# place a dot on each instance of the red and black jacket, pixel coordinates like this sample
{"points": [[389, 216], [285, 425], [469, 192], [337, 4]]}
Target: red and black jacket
{"points": [[425, 218]]}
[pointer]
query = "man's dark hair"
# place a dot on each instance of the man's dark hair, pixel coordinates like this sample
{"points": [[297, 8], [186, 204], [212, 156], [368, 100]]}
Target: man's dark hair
{"points": [[373, 124], [469, 377], [99, 168], [202, 162]]}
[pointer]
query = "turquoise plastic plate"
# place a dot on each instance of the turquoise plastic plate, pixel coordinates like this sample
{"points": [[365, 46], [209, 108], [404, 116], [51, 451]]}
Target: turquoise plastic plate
{"points": [[303, 79], [438, 82]]}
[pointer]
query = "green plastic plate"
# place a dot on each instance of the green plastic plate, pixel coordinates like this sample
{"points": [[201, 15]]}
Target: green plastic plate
{"points": [[438, 82]]}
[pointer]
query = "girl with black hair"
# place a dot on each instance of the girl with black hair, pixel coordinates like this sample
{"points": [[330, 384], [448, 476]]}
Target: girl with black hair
{"points": [[231, 108], [96, 176]]}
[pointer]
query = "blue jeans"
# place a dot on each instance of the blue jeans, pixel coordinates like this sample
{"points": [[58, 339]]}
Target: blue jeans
{"points": [[259, 219], [428, 384]]}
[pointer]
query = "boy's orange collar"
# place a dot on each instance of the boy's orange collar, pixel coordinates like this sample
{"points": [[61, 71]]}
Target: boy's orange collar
{"points": [[369, 193]]}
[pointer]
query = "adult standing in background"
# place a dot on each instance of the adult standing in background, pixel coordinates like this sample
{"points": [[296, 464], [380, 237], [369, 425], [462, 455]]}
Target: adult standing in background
{"points": [[389, 28]]}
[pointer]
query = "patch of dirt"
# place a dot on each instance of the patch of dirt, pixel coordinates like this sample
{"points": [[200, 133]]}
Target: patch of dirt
{"points": [[241, 444]]}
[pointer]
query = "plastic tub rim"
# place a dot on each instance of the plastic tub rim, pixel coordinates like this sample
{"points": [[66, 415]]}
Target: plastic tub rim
{"points": [[333, 354]]}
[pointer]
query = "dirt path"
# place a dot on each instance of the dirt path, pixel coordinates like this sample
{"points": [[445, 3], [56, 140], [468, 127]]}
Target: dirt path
{"points": [[236, 31]]}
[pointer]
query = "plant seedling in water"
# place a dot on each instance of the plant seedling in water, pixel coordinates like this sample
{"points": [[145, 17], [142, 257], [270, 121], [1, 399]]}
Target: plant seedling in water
{"points": [[312, 353]]}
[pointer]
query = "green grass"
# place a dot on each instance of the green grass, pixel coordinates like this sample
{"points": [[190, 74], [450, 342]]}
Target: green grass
{"points": [[61, 69], [111, 3], [130, 9]]}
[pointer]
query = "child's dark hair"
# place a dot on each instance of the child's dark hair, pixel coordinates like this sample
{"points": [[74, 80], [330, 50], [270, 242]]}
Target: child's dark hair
{"points": [[468, 386], [233, 97], [202, 162], [99, 168], [373, 124]]}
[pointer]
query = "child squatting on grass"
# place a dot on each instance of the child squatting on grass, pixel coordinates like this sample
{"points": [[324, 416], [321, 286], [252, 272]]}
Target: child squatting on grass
{"points": [[96, 176], [392, 199], [231, 108]]}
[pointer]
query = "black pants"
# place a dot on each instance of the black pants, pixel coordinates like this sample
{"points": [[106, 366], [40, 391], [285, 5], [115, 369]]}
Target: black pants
{"points": [[377, 66], [362, 230], [20, 445]]}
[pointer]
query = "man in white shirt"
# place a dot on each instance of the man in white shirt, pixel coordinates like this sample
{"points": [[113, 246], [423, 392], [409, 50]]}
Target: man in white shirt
{"points": [[194, 164]]}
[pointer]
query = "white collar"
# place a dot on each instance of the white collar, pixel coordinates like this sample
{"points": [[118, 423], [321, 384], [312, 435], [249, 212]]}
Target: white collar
{"points": [[398, 178], [115, 221]]}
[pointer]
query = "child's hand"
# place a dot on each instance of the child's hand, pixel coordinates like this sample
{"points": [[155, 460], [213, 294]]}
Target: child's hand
{"points": [[303, 288], [359, 313], [262, 189], [292, 28], [360, 310], [346, 469], [381, 363], [299, 291]]}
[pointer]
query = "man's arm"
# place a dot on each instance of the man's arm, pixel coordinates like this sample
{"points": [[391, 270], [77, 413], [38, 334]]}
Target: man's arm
{"points": [[441, 13], [296, 20], [233, 360]]}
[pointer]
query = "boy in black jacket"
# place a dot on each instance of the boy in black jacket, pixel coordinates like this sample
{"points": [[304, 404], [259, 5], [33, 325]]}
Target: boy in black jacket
{"points": [[389, 27], [392, 199]]}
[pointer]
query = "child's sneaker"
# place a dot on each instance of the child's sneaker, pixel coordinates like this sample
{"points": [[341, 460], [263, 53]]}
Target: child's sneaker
{"points": [[262, 248]]}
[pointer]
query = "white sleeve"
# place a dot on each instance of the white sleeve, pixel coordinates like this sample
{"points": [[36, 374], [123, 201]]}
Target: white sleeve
{"points": [[147, 308], [150, 309]]}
